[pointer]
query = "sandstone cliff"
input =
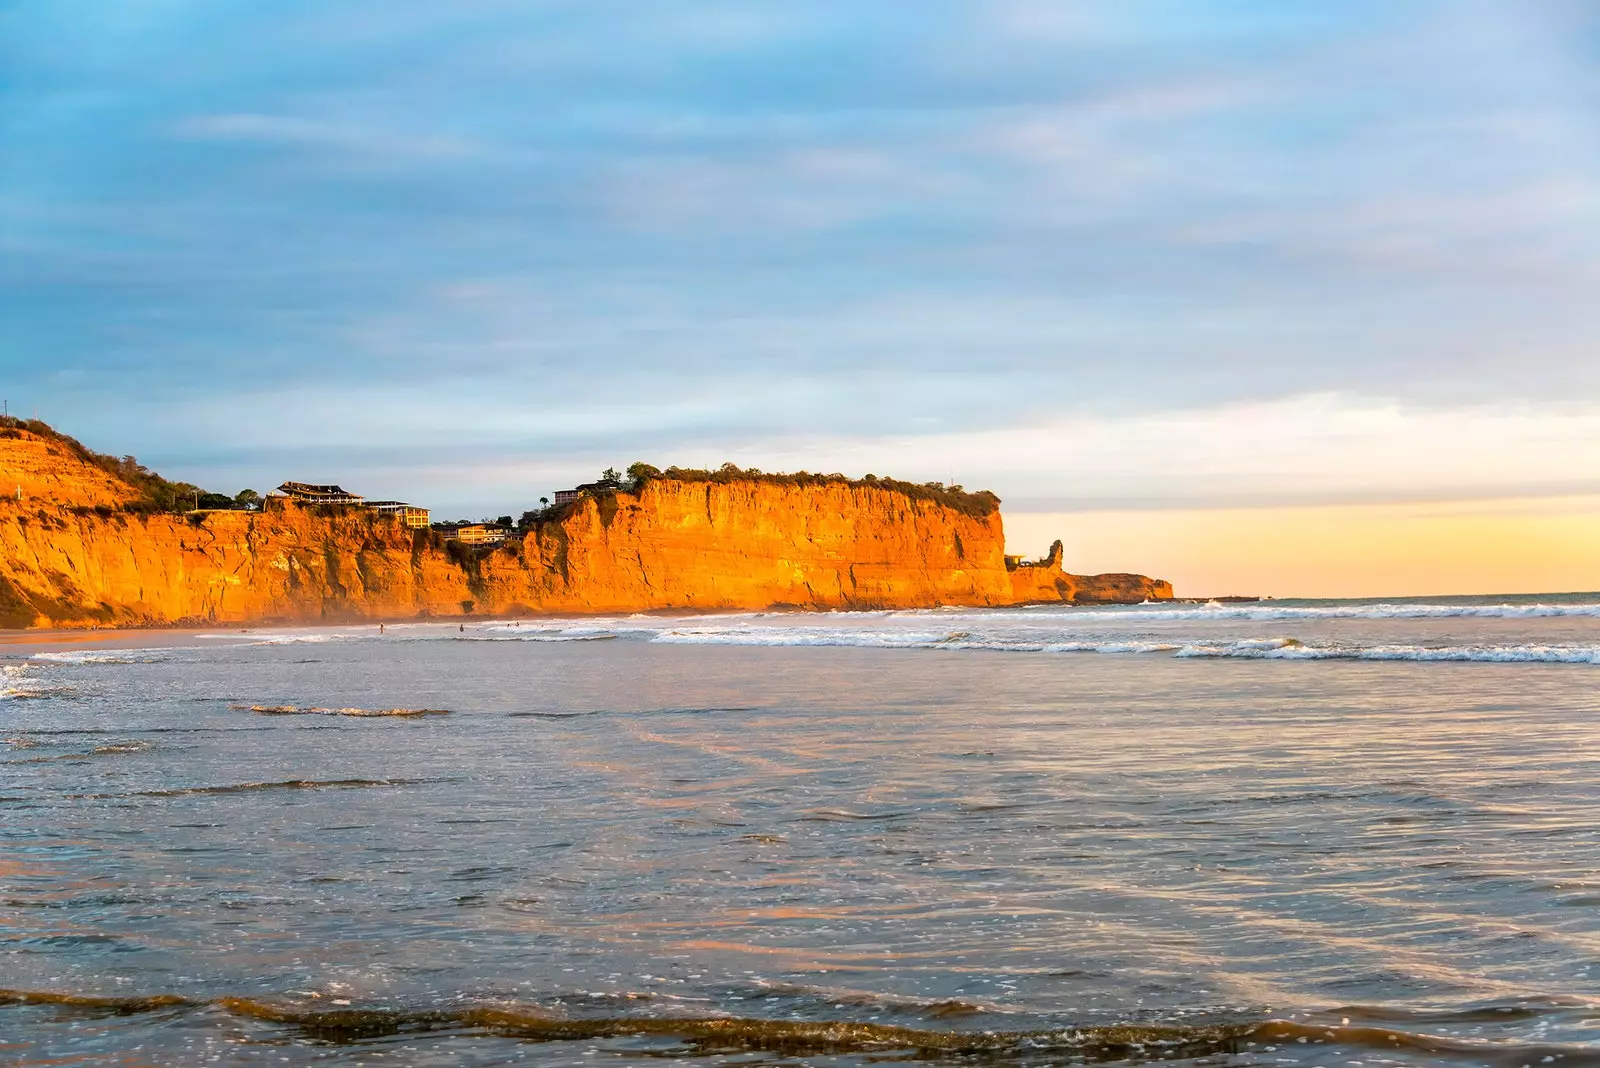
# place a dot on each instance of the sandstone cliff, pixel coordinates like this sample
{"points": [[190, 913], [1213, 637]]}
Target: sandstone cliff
{"points": [[47, 470], [73, 554]]}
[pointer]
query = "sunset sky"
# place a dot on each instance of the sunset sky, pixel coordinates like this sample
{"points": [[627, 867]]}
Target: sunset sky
{"points": [[1286, 298]]}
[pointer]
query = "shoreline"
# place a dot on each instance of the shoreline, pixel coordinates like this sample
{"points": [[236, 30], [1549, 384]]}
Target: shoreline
{"points": [[111, 632]]}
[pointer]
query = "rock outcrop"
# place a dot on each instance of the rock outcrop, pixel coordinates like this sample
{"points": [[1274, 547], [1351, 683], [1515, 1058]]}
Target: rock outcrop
{"points": [[1045, 582], [73, 554]]}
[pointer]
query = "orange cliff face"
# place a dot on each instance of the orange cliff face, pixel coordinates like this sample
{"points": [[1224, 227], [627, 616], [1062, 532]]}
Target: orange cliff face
{"points": [[43, 470], [76, 559], [706, 545]]}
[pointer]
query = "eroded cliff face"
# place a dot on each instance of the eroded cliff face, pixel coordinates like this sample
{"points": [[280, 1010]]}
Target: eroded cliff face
{"points": [[75, 560], [33, 468], [754, 545]]}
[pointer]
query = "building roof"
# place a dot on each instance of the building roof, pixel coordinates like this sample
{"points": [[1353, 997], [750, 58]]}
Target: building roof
{"points": [[315, 492]]}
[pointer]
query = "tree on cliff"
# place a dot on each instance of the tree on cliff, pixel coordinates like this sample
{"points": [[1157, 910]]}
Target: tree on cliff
{"points": [[248, 499], [639, 473]]}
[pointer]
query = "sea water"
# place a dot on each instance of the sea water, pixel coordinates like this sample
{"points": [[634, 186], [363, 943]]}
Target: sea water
{"points": [[1321, 833]]}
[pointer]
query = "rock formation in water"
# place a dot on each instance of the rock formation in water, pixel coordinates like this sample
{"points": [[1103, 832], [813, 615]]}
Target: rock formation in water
{"points": [[1045, 582], [77, 549]]}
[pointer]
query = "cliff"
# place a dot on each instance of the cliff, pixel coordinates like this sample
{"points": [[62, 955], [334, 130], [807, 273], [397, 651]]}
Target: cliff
{"points": [[34, 467], [75, 550]]}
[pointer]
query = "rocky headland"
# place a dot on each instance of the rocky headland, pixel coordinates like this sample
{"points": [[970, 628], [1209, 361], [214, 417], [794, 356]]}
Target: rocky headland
{"points": [[87, 541]]}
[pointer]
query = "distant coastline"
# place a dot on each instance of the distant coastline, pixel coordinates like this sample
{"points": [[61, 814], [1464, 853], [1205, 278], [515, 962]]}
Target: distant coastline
{"points": [[88, 540]]}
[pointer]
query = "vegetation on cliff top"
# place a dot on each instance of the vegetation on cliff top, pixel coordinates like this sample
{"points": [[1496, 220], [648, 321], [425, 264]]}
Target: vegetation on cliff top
{"points": [[978, 504], [155, 494]]}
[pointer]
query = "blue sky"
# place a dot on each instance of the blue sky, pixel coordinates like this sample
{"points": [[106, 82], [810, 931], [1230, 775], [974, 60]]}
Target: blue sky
{"points": [[1102, 255]]}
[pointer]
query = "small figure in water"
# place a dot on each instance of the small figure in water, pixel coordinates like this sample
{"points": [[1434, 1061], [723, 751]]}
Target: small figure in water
{"points": [[463, 628], [380, 628]]}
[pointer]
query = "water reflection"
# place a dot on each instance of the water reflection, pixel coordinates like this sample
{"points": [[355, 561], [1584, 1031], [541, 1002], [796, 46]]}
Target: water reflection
{"points": [[610, 834]]}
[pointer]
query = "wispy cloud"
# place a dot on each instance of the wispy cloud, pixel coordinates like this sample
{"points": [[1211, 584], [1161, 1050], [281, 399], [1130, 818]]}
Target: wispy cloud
{"points": [[941, 237], [320, 135]]}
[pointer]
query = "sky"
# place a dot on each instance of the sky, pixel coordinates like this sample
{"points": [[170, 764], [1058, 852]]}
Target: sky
{"points": [[1216, 290]]}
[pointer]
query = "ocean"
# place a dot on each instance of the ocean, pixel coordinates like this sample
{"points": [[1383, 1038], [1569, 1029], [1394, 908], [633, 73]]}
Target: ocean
{"points": [[1340, 833]]}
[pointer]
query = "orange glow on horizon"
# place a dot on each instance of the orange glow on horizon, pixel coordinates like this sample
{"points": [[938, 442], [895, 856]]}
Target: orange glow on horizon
{"points": [[1543, 545]]}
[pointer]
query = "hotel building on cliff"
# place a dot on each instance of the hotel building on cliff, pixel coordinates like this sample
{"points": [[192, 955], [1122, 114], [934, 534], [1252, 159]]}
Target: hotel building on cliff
{"points": [[409, 514], [309, 493], [472, 533]]}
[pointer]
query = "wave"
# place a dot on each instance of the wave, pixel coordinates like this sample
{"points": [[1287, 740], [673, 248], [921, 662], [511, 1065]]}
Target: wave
{"points": [[129, 656], [252, 637], [252, 787], [363, 713], [1282, 648], [1290, 649], [636, 712], [798, 1038], [1266, 612], [111, 749], [17, 684], [537, 636]]}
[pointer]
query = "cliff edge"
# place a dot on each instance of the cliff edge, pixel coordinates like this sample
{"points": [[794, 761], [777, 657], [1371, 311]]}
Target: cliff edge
{"points": [[80, 546]]}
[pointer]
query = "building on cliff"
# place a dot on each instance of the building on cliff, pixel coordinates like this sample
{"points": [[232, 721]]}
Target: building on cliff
{"points": [[472, 533], [308, 493], [409, 514], [587, 489]]}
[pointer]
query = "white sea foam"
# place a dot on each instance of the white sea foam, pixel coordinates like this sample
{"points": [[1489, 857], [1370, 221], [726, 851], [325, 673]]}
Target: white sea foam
{"points": [[1553, 631], [303, 639], [16, 683], [543, 638], [555, 632], [1486, 654], [1278, 648], [124, 656], [287, 637], [1267, 612]]}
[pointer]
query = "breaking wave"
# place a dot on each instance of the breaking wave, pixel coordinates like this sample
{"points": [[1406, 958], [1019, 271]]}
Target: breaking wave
{"points": [[1268, 612], [16, 684], [127, 656], [1248, 649], [1290, 649], [1188, 631]]}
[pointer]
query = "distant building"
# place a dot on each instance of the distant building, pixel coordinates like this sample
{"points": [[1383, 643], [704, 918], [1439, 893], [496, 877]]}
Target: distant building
{"points": [[588, 489], [412, 516], [306, 493], [472, 533]]}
